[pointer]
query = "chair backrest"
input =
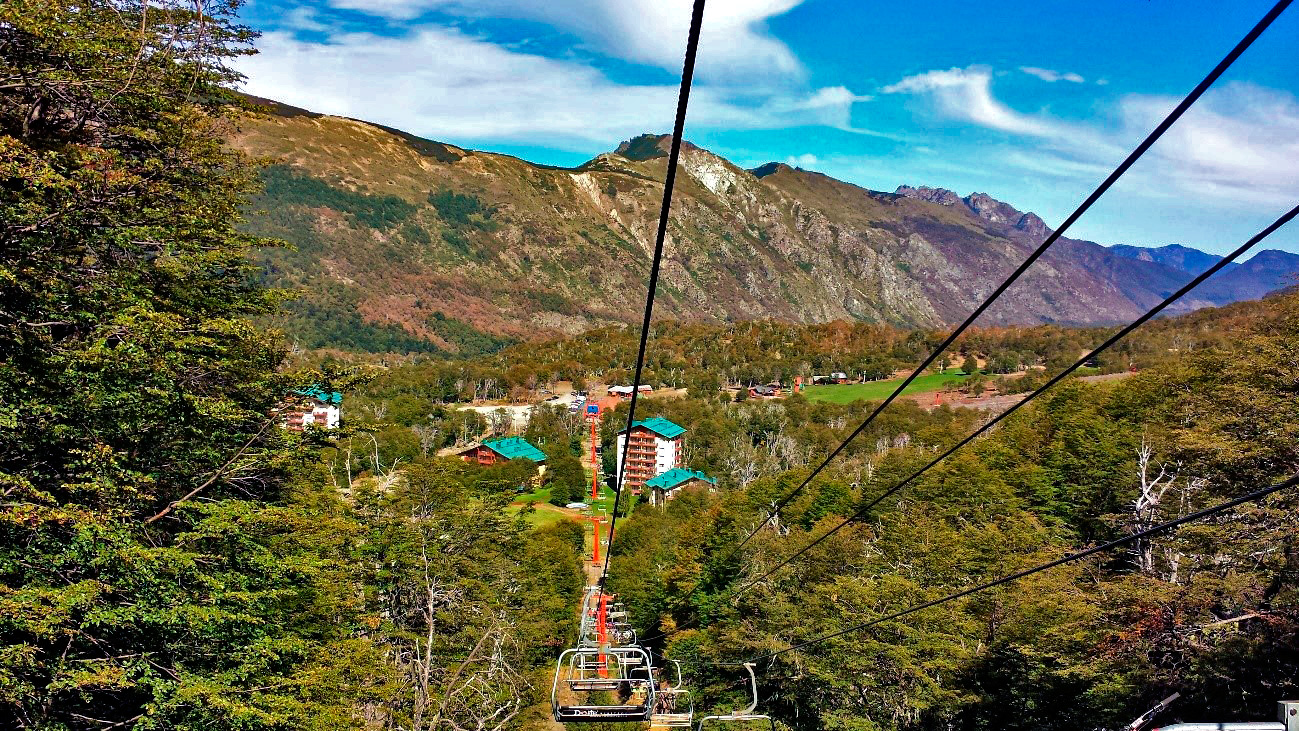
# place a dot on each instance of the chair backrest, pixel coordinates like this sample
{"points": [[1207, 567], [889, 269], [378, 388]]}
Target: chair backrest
{"points": [[748, 714]]}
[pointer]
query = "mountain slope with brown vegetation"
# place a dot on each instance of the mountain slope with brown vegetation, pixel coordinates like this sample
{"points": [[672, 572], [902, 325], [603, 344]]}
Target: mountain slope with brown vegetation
{"points": [[405, 244]]}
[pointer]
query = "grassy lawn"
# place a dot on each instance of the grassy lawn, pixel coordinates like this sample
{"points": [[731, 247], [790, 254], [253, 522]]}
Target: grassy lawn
{"points": [[879, 390], [546, 514], [540, 495], [543, 516]]}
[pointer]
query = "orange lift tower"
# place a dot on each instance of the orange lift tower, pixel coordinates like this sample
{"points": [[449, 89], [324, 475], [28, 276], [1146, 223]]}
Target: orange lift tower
{"points": [[602, 634]]}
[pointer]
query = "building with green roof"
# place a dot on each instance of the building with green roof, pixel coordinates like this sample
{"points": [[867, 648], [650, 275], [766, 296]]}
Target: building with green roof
{"points": [[668, 484], [654, 446], [658, 425], [321, 395], [501, 449], [313, 406], [515, 448]]}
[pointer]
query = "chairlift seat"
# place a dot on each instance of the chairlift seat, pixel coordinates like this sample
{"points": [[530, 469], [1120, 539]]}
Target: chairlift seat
{"points": [[671, 720], [618, 661], [748, 714], [608, 714], [594, 684]]}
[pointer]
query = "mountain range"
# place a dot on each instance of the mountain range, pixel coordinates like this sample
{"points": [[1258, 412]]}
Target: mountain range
{"points": [[399, 243]]}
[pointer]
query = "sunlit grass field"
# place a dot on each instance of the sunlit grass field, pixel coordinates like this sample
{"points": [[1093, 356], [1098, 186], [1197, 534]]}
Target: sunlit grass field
{"points": [[879, 390]]}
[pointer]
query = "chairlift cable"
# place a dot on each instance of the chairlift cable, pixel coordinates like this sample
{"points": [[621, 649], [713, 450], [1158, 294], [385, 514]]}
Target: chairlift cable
{"points": [[678, 130], [1218, 266], [1109, 181], [1076, 556]]}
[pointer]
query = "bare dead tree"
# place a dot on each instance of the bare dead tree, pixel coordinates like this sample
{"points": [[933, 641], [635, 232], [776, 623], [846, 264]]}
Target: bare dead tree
{"points": [[1149, 507], [377, 409], [428, 437], [741, 460]]}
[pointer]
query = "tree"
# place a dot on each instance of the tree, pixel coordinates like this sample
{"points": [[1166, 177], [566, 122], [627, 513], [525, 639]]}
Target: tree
{"points": [[970, 365], [463, 647], [161, 538], [566, 478]]}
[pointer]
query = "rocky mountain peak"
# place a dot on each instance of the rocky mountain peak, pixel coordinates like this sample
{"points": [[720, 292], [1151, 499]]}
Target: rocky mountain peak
{"points": [[941, 196], [982, 205], [651, 146], [1033, 225], [991, 209], [645, 147]]}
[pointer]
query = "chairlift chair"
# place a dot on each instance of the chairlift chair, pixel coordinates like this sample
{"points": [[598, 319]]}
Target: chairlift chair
{"points": [[624, 634], [587, 629], [671, 717], [576, 697], [748, 714]]}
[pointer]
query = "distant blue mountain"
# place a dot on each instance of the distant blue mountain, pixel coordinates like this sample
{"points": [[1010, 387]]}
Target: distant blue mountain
{"points": [[1267, 271], [1191, 261]]}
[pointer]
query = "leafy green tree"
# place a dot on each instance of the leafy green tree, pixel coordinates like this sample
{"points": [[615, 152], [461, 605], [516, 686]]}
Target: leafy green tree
{"points": [[505, 478], [970, 366], [166, 558], [566, 478]]}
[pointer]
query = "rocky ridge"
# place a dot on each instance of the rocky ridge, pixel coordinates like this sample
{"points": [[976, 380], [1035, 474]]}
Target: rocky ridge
{"points": [[466, 242]]}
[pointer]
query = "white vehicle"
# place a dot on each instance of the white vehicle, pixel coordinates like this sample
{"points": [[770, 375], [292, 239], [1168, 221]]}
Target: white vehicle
{"points": [[577, 506]]}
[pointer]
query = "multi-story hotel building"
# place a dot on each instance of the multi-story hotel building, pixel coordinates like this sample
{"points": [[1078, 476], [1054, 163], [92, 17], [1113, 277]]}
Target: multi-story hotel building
{"points": [[656, 446]]}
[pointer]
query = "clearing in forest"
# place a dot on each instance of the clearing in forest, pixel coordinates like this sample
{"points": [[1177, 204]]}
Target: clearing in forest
{"points": [[879, 390]]}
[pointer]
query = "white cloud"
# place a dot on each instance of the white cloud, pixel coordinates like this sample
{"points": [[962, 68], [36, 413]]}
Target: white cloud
{"points": [[1239, 142], [1052, 76], [442, 83], [806, 160], [305, 18], [391, 9], [967, 94], [734, 42], [1239, 145]]}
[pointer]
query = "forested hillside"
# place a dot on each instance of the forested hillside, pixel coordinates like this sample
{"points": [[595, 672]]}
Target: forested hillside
{"points": [[1209, 611], [170, 557]]}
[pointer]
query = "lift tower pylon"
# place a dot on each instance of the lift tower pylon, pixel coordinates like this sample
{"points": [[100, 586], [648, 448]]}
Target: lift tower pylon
{"points": [[593, 418]]}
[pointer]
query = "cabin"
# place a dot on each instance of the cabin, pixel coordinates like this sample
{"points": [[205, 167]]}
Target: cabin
{"points": [[767, 391], [314, 407], [836, 377], [625, 391], [667, 485], [503, 449], [655, 446]]}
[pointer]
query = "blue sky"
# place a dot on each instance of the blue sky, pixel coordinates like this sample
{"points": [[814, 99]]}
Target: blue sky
{"points": [[1030, 102]]}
